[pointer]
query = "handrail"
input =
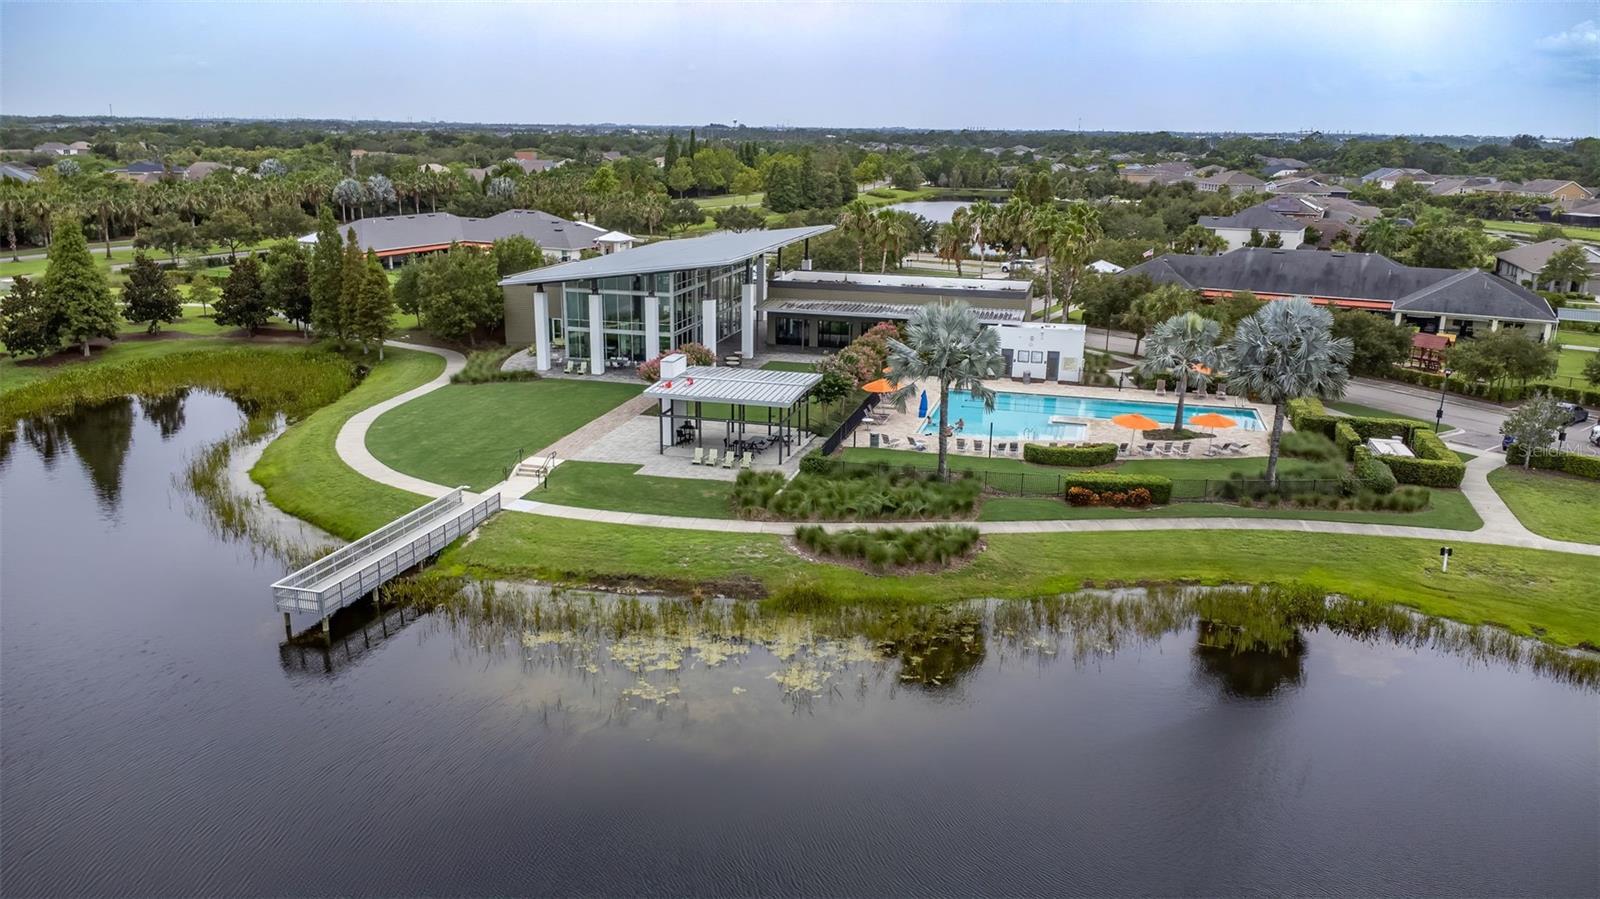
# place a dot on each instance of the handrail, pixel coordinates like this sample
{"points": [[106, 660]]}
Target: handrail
{"points": [[450, 502]]}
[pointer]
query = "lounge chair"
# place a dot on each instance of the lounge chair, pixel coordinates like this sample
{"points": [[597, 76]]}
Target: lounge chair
{"points": [[746, 459], [1122, 449], [1184, 450], [728, 458], [1237, 449], [919, 447], [1161, 387], [1216, 449], [1147, 449], [886, 440], [961, 444], [977, 446], [570, 366], [1222, 394], [699, 456], [1165, 450], [1016, 448]]}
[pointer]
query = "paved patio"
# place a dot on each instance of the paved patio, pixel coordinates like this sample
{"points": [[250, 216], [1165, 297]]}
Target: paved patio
{"points": [[637, 442], [901, 425]]}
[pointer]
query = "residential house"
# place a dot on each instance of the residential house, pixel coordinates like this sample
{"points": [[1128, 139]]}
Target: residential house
{"points": [[1523, 264], [56, 148], [397, 238], [433, 168], [1435, 300], [202, 170], [1255, 222], [1583, 213], [1236, 182], [1274, 166], [144, 171], [1557, 189], [1388, 177], [1158, 173], [1311, 187]]}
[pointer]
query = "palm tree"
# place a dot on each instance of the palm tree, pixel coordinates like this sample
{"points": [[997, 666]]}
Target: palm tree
{"points": [[348, 193], [954, 241], [981, 214], [1083, 229], [856, 219], [1185, 348], [1042, 227], [890, 232], [1286, 350], [945, 343]]}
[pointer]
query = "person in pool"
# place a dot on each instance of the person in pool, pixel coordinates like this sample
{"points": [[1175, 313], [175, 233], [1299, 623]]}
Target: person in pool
{"points": [[961, 425]]}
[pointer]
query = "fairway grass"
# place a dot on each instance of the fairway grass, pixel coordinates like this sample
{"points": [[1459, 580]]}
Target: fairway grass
{"points": [[1530, 592], [303, 475], [1573, 232], [1552, 505], [469, 434]]}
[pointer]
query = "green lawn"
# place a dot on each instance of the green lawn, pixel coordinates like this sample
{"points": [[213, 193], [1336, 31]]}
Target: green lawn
{"points": [[470, 433], [1576, 233], [605, 485], [1569, 369], [1552, 505], [790, 366], [1527, 591], [1577, 338], [726, 200], [1360, 411], [33, 268], [304, 476]]}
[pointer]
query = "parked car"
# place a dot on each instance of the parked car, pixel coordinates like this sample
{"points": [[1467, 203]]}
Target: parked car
{"points": [[1578, 413], [1016, 265], [1594, 435]]}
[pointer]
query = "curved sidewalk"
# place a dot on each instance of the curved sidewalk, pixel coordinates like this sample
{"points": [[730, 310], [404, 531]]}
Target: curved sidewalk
{"points": [[351, 444], [1500, 526]]}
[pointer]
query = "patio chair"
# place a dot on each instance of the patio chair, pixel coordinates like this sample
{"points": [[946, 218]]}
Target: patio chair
{"points": [[1216, 449], [961, 444], [1016, 448], [977, 446], [1165, 450], [1237, 449], [728, 459], [886, 440], [1122, 449], [1147, 449], [1222, 394], [699, 456], [568, 369], [746, 459], [1184, 450], [1161, 387]]}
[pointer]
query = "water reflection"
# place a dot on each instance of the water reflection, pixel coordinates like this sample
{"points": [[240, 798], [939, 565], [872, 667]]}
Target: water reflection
{"points": [[355, 632], [1255, 672], [165, 411]]}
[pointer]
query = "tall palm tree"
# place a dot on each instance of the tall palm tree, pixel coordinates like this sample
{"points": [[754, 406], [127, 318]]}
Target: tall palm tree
{"points": [[1083, 229], [890, 232], [1184, 348], [856, 219], [945, 343], [1286, 350], [981, 213], [1041, 227], [953, 242]]}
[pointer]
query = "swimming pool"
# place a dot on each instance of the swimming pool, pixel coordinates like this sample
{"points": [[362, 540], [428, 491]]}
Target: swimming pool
{"points": [[1028, 415]]}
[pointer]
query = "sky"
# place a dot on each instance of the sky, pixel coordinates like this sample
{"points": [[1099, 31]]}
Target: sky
{"points": [[1401, 66]]}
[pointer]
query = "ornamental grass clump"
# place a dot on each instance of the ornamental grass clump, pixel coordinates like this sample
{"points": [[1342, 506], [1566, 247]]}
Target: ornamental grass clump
{"points": [[484, 367], [856, 496], [885, 548]]}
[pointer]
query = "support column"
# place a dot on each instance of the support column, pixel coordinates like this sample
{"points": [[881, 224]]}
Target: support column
{"points": [[1399, 318], [652, 326], [747, 321], [541, 330], [1547, 334], [708, 327], [288, 627], [597, 336], [805, 257], [1494, 325]]}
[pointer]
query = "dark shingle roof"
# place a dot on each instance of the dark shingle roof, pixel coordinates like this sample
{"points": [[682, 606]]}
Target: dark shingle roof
{"points": [[389, 233], [1352, 276], [1257, 216]]}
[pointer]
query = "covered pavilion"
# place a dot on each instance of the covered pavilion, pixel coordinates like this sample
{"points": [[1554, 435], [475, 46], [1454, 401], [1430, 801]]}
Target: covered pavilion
{"points": [[691, 397]]}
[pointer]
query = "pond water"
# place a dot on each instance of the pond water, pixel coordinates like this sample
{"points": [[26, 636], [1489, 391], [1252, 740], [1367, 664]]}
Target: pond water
{"points": [[938, 211], [161, 736]]}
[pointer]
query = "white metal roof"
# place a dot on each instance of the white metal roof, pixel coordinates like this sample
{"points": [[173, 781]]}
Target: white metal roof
{"points": [[739, 386], [927, 282], [710, 251], [835, 308]]}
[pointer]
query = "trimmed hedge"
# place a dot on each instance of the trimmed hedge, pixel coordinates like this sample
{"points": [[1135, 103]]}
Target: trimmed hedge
{"points": [[1107, 482], [1085, 456], [1576, 464], [1346, 438], [1372, 474], [1434, 466], [1500, 393]]}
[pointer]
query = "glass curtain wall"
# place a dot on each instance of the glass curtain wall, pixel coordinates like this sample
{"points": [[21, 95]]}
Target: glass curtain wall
{"points": [[622, 307]]}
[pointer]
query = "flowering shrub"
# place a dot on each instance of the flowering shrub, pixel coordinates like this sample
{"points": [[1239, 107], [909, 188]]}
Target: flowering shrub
{"points": [[1137, 498], [696, 354], [650, 370]]}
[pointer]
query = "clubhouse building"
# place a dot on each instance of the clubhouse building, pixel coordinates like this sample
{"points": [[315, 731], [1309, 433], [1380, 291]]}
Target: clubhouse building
{"points": [[1435, 300], [398, 238]]}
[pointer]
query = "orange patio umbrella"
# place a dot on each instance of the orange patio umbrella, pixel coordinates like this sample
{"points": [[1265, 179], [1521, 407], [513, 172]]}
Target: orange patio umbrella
{"points": [[881, 385], [1213, 420], [1133, 421]]}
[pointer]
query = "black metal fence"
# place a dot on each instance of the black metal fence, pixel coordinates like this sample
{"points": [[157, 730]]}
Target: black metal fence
{"points": [[848, 426], [1031, 483]]}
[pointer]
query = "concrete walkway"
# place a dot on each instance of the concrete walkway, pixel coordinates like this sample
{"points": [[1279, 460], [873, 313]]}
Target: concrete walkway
{"points": [[1500, 526]]}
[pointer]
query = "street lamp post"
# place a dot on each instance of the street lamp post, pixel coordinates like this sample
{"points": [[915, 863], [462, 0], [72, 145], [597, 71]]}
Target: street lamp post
{"points": [[1438, 416]]}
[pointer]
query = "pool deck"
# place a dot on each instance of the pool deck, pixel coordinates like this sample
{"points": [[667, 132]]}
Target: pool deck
{"points": [[901, 425]]}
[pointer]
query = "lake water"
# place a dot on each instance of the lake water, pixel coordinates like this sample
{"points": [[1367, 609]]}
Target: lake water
{"points": [[161, 736]]}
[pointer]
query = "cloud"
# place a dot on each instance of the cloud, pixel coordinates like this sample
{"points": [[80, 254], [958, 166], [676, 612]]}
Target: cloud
{"points": [[1577, 47]]}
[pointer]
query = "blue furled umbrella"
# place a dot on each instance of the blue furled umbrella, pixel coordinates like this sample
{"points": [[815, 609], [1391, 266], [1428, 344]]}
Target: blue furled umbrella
{"points": [[922, 407]]}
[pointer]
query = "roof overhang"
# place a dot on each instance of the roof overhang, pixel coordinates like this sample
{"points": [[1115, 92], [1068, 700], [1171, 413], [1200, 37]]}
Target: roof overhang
{"points": [[687, 254], [832, 308], [767, 388]]}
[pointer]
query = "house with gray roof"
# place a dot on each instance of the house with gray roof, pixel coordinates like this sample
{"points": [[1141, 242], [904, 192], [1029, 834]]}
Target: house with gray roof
{"points": [[1435, 300], [1236, 182], [1255, 224], [1523, 264], [395, 238]]}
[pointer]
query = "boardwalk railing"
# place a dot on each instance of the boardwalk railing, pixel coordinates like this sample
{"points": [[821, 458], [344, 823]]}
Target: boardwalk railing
{"points": [[851, 422], [354, 570]]}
